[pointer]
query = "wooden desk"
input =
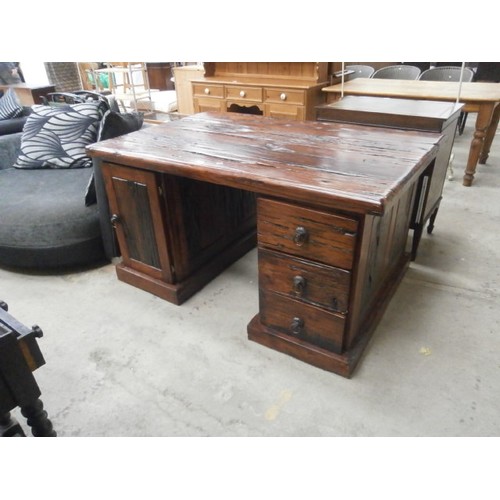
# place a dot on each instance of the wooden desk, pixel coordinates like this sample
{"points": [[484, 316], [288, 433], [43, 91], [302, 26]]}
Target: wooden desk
{"points": [[334, 206], [478, 97]]}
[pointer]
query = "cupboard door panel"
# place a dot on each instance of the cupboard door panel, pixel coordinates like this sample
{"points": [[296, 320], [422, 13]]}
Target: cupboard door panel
{"points": [[138, 220]]}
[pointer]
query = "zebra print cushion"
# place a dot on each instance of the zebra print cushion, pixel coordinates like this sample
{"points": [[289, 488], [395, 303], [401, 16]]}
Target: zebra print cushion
{"points": [[56, 137], [10, 106]]}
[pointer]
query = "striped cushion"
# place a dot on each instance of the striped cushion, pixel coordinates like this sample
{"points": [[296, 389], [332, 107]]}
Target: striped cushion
{"points": [[10, 106], [56, 137]]}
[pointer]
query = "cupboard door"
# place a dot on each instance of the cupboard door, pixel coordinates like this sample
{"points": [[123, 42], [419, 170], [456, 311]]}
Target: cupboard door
{"points": [[134, 200]]}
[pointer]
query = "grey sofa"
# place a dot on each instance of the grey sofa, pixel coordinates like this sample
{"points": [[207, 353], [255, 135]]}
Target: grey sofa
{"points": [[13, 125], [44, 223]]}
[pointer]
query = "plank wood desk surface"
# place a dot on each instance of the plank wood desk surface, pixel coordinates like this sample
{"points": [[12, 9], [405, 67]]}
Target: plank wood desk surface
{"points": [[330, 206], [478, 97]]}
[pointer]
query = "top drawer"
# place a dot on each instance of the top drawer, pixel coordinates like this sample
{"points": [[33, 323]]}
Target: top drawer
{"points": [[244, 93], [284, 96], [306, 233], [208, 90]]}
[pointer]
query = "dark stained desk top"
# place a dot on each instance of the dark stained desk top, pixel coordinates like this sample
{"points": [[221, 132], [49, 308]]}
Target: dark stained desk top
{"points": [[332, 165]]}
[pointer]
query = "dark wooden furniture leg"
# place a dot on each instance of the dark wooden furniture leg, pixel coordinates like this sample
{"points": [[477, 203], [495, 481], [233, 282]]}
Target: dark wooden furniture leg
{"points": [[432, 218], [19, 356], [36, 418]]}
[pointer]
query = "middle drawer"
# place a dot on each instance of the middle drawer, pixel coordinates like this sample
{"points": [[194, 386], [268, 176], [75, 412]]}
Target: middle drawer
{"points": [[244, 93], [317, 284]]}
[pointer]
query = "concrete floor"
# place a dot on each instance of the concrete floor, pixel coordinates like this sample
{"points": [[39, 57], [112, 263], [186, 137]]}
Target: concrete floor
{"points": [[121, 362]]}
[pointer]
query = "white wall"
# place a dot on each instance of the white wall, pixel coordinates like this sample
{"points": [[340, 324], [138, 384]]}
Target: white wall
{"points": [[34, 73]]}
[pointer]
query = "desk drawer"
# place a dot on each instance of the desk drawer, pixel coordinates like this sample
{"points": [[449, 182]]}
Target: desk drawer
{"points": [[208, 90], [239, 93], [303, 321], [315, 284], [306, 233], [285, 96]]}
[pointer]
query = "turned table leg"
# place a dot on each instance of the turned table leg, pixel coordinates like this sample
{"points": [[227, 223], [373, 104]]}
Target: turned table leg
{"points": [[36, 418], [483, 120], [490, 135]]}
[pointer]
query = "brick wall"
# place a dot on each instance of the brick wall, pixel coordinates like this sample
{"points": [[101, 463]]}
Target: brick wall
{"points": [[64, 76]]}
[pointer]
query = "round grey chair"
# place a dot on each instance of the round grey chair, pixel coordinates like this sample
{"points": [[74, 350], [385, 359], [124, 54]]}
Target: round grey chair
{"points": [[360, 70], [398, 72], [450, 74], [447, 74]]}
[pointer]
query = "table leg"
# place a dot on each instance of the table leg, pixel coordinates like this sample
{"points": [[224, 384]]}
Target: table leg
{"points": [[36, 418], [483, 120], [490, 135]]}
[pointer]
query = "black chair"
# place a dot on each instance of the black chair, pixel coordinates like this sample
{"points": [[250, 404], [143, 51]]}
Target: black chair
{"points": [[450, 74], [398, 72], [487, 72]]}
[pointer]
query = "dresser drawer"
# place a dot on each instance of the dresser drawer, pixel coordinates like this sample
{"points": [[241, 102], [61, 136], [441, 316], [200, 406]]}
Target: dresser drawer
{"points": [[208, 90], [316, 284], [284, 96], [244, 93], [310, 234], [303, 321], [285, 111]]}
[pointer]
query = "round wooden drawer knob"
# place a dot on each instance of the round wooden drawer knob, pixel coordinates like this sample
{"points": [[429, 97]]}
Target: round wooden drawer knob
{"points": [[243, 93], [283, 96], [207, 91]]}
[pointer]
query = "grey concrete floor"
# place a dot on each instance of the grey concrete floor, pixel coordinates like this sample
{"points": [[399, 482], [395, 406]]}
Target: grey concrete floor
{"points": [[122, 362]]}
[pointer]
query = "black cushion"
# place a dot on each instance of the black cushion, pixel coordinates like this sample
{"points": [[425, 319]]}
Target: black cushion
{"points": [[44, 223], [113, 125]]}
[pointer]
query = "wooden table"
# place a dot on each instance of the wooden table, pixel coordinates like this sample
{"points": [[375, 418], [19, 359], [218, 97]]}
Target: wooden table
{"points": [[331, 205], [478, 97]]}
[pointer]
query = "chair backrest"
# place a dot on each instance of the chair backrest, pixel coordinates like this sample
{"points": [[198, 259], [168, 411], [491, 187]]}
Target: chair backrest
{"points": [[360, 70], [398, 72], [78, 96], [447, 74]]}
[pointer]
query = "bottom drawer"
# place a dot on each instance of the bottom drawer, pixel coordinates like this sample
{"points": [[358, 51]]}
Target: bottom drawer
{"points": [[309, 323]]}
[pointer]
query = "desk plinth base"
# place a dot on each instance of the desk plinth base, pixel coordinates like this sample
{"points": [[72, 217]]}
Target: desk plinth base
{"points": [[177, 293], [342, 364]]}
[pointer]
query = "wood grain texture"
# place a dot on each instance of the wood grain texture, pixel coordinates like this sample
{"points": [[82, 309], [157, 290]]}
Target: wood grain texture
{"points": [[333, 165]]}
